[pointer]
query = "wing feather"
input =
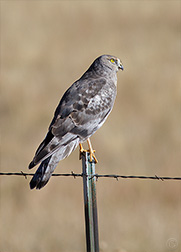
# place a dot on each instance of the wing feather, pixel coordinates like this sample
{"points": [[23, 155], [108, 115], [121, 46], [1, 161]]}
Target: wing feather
{"points": [[77, 116]]}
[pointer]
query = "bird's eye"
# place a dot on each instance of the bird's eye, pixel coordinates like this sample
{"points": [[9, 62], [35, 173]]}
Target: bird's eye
{"points": [[112, 60]]}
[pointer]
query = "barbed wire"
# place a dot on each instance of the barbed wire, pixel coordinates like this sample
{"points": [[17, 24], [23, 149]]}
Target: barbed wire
{"points": [[97, 176]]}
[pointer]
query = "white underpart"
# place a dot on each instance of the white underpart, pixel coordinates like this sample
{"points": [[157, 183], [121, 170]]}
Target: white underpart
{"points": [[97, 99]]}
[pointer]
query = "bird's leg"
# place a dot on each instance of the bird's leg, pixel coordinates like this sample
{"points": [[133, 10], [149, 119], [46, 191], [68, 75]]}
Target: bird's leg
{"points": [[91, 151]]}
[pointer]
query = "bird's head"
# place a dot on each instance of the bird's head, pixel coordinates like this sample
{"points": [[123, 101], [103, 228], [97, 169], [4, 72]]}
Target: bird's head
{"points": [[111, 62]]}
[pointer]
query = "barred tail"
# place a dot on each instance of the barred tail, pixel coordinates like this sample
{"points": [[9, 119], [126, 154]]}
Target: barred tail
{"points": [[47, 166], [44, 172]]}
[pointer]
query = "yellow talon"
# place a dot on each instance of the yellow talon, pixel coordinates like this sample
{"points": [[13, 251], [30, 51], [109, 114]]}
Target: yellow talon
{"points": [[93, 156], [90, 150]]}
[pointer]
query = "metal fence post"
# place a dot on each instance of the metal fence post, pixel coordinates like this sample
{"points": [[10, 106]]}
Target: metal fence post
{"points": [[90, 203]]}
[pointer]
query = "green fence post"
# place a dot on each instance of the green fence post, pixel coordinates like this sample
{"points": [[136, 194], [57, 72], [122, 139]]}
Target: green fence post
{"points": [[90, 203]]}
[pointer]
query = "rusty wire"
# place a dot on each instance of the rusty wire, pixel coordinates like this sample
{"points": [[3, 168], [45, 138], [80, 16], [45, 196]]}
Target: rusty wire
{"points": [[115, 176]]}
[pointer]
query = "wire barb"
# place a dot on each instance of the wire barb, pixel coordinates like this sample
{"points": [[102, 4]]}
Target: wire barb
{"points": [[24, 174]]}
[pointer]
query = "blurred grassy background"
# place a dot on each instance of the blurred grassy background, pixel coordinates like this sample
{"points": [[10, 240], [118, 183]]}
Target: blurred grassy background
{"points": [[45, 47]]}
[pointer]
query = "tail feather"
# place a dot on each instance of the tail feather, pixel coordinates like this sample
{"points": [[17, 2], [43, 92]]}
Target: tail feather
{"points": [[47, 166], [43, 173]]}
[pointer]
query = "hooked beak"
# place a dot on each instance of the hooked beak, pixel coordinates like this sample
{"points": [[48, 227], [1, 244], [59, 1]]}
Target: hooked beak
{"points": [[121, 67]]}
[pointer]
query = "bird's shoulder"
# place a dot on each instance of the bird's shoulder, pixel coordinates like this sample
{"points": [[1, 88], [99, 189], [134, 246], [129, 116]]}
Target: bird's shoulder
{"points": [[77, 96]]}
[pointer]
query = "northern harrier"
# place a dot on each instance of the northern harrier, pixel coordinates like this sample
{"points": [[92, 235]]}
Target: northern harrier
{"points": [[82, 110]]}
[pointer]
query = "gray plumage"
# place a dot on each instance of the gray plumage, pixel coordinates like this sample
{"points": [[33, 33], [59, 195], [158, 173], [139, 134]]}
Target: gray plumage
{"points": [[82, 110]]}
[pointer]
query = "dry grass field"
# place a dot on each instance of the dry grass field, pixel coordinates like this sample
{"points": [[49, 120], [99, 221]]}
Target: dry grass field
{"points": [[47, 45]]}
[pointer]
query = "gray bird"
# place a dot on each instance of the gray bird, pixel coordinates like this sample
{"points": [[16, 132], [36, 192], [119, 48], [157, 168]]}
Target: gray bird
{"points": [[82, 110]]}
